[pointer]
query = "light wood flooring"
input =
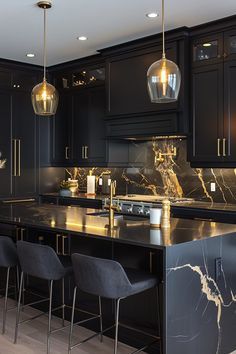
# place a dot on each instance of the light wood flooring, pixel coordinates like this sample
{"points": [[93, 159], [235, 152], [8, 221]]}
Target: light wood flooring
{"points": [[32, 337]]}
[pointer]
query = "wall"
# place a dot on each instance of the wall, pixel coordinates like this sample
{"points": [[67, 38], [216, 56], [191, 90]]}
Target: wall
{"points": [[167, 175]]}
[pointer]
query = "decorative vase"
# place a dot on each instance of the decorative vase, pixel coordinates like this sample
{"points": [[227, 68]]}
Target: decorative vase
{"points": [[73, 185]]}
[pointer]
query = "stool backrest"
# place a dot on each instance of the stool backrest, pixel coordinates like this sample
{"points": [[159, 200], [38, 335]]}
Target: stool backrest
{"points": [[39, 261], [101, 277], [8, 254]]}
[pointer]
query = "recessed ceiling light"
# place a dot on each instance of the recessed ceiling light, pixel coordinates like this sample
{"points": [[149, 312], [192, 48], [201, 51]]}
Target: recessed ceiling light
{"points": [[82, 38], [30, 55], [206, 44], [152, 15]]}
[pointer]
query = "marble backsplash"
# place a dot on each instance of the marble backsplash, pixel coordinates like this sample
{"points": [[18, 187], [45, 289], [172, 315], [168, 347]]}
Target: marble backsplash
{"points": [[163, 170]]}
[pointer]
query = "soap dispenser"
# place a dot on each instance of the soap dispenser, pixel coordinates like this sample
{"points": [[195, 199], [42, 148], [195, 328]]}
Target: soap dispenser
{"points": [[91, 183]]}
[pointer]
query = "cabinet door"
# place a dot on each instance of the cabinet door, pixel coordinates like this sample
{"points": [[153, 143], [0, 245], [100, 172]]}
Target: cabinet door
{"points": [[61, 125], [97, 143], [207, 113], [229, 143], [127, 80], [5, 145], [80, 126], [230, 45], [24, 131]]}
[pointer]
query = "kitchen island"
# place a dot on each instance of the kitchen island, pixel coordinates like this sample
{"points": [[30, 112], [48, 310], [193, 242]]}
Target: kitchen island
{"points": [[194, 260]]}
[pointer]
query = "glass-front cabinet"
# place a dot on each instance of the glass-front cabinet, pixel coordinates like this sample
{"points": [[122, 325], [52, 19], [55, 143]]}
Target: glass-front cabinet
{"points": [[214, 48], [86, 77], [207, 50]]}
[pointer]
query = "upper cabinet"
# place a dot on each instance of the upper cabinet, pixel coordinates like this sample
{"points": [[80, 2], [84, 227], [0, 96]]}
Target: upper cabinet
{"points": [[213, 100], [128, 103]]}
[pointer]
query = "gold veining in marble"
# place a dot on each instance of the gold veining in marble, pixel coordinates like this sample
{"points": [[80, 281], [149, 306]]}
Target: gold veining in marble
{"points": [[199, 173], [218, 184]]}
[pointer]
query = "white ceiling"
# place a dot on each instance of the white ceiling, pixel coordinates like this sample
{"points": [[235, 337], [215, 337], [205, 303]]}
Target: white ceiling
{"points": [[104, 22]]}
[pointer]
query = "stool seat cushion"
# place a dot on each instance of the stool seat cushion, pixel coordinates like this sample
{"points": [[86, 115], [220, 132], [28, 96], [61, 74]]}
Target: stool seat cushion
{"points": [[140, 280], [107, 278], [67, 264]]}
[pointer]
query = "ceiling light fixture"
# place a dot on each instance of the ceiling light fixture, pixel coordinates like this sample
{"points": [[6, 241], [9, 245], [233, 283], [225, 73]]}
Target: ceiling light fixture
{"points": [[30, 55], [206, 45], [44, 96], [82, 38], [152, 15], [163, 76]]}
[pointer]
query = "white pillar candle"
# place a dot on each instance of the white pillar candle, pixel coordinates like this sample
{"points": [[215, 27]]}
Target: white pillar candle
{"points": [[90, 184], [155, 217]]}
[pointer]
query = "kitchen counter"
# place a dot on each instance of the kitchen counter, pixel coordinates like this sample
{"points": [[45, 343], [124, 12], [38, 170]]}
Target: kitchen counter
{"points": [[194, 261], [129, 230]]}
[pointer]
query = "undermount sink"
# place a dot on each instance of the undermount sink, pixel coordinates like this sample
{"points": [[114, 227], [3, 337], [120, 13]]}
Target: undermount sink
{"points": [[104, 214]]}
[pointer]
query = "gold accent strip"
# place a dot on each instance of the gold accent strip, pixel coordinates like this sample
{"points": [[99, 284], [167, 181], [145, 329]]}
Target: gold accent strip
{"points": [[14, 157], [18, 200], [218, 147], [67, 152], [19, 157], [224, 149]]}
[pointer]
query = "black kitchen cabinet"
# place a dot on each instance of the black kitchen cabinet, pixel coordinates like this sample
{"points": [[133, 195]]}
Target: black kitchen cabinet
{"points": [[213, 101], [5, 144], [127, 86], [21, 132], [89, 145], [130, 112], [61, 127]]}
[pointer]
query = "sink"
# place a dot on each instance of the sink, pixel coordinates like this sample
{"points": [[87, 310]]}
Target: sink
{"points": [[104, 214]]}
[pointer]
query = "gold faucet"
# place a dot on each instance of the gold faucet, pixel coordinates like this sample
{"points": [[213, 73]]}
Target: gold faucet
{"points": [[111, 207]]}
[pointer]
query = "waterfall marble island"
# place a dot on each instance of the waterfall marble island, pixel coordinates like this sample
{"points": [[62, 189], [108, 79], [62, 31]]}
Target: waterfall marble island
{"points": [[193, 259]]}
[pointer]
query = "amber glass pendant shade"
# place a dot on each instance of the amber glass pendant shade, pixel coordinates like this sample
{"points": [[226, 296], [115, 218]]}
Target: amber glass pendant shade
{"points": [[163, 80], [44, 96], [45, 99]]}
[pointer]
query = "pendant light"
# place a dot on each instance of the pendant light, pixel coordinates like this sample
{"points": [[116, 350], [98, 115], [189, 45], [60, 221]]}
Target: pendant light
{"points": [[44, 96], [163, 76]]}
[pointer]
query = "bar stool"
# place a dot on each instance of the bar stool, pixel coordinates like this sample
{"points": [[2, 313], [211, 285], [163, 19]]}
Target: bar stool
{"points": [[42, 262], [8, 260], [107, 278]]}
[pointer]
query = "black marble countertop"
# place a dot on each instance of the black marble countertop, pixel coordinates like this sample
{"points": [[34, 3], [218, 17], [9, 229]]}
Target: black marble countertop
{"points": [[137, 231], [195, 204]]}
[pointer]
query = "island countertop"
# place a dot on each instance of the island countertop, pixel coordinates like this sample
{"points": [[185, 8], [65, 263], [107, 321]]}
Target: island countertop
{"points": [[82, 221]]}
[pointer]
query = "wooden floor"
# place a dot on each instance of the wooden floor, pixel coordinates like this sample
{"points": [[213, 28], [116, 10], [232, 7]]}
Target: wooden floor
{"points": [[32, 337]]}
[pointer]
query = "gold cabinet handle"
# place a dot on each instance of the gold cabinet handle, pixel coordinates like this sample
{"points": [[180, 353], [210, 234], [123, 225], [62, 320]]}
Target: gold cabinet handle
{"points": [[218, 147], [19, 158], [14, 157], [82, 152], [151, 255], [224, 147], [86, 152], [64, 237], [57, 244], [67, 152]]}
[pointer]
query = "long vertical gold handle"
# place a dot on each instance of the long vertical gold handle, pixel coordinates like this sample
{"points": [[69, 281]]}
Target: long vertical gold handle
{"points": [[224, 148], [86, 152], [19, 157], [57, 244], [67, 152], [14, 157], [151, 254], [82, 152], [218, 147], [22, 234], [63, 245]]}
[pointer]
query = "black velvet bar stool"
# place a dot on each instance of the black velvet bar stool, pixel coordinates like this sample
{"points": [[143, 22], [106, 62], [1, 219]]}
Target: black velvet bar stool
{"points": [[8, 260], [42, 262], [107, 278]]}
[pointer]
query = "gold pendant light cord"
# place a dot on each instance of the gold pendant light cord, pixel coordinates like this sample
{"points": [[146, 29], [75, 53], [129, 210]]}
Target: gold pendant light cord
{"points": [[163, 31], [44, 45]]}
